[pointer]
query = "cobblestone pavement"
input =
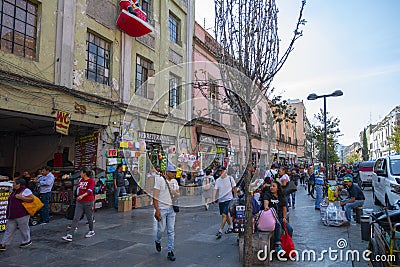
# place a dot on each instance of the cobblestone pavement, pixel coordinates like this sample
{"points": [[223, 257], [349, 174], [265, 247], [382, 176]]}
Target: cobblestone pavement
{"points": [[127, 239]]}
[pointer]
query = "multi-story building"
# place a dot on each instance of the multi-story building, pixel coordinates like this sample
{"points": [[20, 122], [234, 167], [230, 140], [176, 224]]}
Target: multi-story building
{"points": [[70, 56], [379, 143]]}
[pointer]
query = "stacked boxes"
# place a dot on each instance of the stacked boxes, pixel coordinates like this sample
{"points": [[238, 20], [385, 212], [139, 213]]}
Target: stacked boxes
{"points": [[143, 201], [124, 204]]}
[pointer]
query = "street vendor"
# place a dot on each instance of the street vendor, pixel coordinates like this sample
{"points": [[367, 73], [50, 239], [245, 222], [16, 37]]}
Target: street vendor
{"points": [[356, 198]]}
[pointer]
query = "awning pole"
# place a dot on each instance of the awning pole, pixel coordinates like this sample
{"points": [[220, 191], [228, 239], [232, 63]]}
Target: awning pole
{"points": [[16, 143]]}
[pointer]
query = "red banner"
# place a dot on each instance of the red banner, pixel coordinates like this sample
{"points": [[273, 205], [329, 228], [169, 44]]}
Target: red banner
{"points": [[63, 120]]}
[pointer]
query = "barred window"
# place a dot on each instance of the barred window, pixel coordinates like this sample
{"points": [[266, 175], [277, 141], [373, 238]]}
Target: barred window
{"points": [[143, 66], [174, 91], [173, 25], [18, 27], [97, 59], [147, 8]]}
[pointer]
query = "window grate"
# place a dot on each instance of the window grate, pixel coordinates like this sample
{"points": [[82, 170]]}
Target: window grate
{"points": [[18, 27], [97, 59]]}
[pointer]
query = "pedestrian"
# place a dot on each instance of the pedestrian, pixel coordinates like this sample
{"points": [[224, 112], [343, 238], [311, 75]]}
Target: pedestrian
{"points": [[165, 188], [295, 178], [182, 179], [179, 172], [319, 187], [275, 199], [226, 187], [84, 203], [356, 198], [119, 184], [284, 179], [17, 216], [208, 187], [311, 179], [134, 180], [45, 182]]}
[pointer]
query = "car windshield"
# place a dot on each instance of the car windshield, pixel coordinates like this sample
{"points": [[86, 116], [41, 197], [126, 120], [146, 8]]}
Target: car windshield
{"points": [[367, 164], [395, 166]]}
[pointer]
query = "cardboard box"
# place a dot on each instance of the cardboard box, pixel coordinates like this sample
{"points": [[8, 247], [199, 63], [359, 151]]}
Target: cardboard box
{"points": [[124, 205]]}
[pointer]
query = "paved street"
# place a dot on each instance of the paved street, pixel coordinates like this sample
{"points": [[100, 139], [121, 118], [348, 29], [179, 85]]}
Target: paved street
{"points": [[126, 239]]}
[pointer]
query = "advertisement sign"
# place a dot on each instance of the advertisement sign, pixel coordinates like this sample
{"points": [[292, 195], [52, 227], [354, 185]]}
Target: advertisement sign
{"points": [[4, 194], [63, 119]]}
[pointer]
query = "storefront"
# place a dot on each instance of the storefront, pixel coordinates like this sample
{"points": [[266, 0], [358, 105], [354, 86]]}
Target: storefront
{"points": [[213, 151]]}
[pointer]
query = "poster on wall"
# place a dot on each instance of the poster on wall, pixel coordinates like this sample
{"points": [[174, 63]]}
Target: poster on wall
{"points": [[86, 151]]}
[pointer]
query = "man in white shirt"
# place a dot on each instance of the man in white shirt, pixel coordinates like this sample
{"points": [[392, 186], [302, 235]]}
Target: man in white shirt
{"points": [[226, 187], [164, 212]]}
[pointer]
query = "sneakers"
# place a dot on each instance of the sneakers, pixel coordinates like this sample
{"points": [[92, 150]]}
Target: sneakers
{"points": [[230, 230], [219, 235], [2, 247], [67, 238], [27, 244], [90, 234], [278, 248], [158, 246], [171, 256]]}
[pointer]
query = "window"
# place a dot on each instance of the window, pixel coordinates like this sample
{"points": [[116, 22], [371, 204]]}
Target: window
{"points": [[97, 59], [174, 92], [173, 25], [146, 7], [18, 27], [143, 69]]}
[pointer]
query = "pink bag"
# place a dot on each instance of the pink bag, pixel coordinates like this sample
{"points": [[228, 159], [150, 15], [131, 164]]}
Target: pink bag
{"points": [[266, 220]]}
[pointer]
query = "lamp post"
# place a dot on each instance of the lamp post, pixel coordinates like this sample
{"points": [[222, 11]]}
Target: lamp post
{"points": [[313, 97]]}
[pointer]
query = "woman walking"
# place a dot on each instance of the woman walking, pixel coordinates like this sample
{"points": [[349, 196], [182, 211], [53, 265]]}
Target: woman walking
{"points": [[18, 217], [275, 199], [84, 203]]}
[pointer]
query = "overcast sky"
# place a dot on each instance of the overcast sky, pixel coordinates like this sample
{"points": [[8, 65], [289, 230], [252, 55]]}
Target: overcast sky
{"points": [[351, 45]]}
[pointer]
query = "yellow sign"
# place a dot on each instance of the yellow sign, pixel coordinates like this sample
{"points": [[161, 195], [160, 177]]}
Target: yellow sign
{"points": [[63, 120]]}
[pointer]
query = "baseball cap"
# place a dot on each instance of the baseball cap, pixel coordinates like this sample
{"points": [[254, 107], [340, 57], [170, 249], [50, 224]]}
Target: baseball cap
{"points": [[347, 179], [222, 168], [171, 168]]}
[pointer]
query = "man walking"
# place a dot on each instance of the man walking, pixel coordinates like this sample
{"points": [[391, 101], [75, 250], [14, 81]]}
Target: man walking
{"points": [[45, 182], [164, 190], [226, 187]]}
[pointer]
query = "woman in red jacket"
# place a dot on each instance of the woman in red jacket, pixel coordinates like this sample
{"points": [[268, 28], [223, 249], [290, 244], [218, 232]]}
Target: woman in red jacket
{"points": [[84, 203]]}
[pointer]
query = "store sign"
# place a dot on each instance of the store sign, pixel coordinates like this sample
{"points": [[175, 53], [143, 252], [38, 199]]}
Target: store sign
{"points": [[86, 151], [213, 140], [157, 138], [63, 119]]}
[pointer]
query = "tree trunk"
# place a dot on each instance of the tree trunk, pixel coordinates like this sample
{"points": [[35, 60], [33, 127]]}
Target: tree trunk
{"points": [[248, 233]]}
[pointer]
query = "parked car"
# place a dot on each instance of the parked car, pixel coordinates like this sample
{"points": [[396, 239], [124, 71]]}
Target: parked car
{"points": [[365, 173], [386, 180]]}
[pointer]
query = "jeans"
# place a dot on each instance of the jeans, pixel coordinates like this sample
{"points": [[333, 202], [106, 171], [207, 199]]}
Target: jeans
{"points": [[167, 221], [82, 207], [121, 190], [12, 226], [349, 207], [278, 231], [318, 195], [45, 210]]}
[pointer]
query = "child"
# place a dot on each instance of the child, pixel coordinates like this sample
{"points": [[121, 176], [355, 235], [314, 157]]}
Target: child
{"points": [[256, 205]]}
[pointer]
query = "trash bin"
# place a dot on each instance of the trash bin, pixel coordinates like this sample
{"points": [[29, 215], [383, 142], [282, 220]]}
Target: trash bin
{"points": [[365, 229]]}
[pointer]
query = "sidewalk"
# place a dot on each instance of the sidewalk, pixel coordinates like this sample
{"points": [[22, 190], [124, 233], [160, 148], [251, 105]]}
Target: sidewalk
{"points": [[127, 239]]}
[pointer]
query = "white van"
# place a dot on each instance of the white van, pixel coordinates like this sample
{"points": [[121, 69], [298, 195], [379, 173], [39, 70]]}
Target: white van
{"points": [[386, 180]]}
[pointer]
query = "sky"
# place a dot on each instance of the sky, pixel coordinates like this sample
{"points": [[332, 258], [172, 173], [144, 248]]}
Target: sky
{"points": [[351, 45]]}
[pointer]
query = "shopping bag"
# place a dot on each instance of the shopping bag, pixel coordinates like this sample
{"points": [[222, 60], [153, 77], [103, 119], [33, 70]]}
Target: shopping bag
{"points": [[266, 220], [287, 243], [175, 204], [289, 188], [34, 206], [70, 212]]}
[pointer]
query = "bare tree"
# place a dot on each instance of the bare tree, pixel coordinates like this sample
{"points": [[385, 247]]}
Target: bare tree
{"points": [[249, 57]]}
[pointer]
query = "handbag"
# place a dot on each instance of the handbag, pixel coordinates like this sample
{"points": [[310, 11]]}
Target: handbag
{"points": [[70, 212], [266, 220], [287, 243], [174, 199], [34, 206], [289, 188]]}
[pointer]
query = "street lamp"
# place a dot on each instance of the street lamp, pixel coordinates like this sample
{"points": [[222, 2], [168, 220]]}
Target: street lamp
{"points": [[313, 97]]}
